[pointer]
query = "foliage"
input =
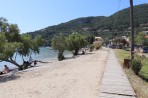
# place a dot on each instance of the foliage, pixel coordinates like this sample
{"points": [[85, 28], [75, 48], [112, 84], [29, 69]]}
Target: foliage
{"points": [[118, 40], [136, 65], [24, 50], [145, 43], [75, 42], [90, 39], [38, 40], [36, 43], [11, 42], [59, 43], [91, 47], [97, 46], [12, 33], [8, 41], [144, 70], [139, 39]]}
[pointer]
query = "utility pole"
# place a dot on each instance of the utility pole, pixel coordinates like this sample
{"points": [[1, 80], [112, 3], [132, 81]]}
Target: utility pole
{"points": [[132, 29]]}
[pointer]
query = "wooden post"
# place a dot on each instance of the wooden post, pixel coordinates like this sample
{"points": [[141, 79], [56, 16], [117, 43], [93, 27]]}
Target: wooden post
{"points": [[132, 29]]}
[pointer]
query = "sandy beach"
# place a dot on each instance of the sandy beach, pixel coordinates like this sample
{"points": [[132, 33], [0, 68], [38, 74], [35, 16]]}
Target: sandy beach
{"points": [[77, 77]]}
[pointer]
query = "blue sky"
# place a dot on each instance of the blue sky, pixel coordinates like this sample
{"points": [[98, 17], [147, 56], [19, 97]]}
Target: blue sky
{"points": [[31, 15]]}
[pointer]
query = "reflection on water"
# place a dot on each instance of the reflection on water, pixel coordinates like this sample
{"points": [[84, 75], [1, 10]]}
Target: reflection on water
{"points": [[46, 53]]}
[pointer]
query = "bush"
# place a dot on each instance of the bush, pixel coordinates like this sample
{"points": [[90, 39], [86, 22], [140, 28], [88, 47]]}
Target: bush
{"points": [[136, 65], [144, 70], [97, 46], [91, 48], [143, 74]]}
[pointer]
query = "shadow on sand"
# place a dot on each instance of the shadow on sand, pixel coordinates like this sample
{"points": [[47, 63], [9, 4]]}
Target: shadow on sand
{"points": [[7, 78], [73, 57]]}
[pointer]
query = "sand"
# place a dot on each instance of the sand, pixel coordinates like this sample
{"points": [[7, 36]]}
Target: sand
{"points": [[77, 77]]}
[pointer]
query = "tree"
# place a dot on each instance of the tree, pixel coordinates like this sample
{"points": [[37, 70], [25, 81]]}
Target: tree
{"points": [[12, 33], [7, 49], [8, 43], [3, 24], [59, 44], [24, 50], [125, 42], [36, 43], [145, 43], [90, 39], [140, 39], [29, 45], [11, 42], [75, 42], [119, 40], [24, 47]]}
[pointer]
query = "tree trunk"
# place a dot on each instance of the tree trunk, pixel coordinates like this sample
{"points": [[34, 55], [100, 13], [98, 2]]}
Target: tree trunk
{"points": [[13, 62], [60, 56], [76, 52]]}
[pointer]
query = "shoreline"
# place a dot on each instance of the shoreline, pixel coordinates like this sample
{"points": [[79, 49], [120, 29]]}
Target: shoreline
{"points": [[45, 55]]}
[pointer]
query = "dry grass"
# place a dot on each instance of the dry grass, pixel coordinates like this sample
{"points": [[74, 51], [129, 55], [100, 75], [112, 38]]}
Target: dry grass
{"points": [[139, 85]]}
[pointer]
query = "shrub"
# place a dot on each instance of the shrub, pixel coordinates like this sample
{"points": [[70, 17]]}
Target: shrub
{"points": [[143, 74], [144, 70], [91, 48], [97, 46], [136, 65]]}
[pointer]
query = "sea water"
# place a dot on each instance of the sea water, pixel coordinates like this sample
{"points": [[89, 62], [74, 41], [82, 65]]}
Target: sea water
{"points": [[46, 54]]}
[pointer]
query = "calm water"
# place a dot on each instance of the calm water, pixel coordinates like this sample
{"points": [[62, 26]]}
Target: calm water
{"points": [[46, 53]]}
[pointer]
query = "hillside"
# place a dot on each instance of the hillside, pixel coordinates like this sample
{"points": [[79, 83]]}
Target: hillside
{"points": [[118, 22]]}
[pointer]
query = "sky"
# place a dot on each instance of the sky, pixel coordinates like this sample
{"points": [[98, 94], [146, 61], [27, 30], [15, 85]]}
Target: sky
{"points": [[31, 15]]}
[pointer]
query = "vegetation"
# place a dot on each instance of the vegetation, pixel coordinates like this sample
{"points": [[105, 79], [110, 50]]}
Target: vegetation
{"points": [[121, 55], [140, 86], [12, 43], [97, 46], [136, 65], [105, 27], [76, 41], [59, 44], [119, 40], [29, 46], [73, 42], [144, 70], [141, 40], [91, 48]]}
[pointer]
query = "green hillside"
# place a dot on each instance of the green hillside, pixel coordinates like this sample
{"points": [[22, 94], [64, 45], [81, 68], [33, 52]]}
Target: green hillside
{"points": [[100, 25]]}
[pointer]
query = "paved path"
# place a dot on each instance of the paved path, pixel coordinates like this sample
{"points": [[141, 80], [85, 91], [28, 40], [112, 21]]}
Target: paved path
{"points": [[115, 83]]}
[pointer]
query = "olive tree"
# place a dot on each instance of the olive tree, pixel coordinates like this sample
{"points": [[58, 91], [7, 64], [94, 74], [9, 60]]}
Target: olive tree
{"points": [[76, 41], [11, 42], [59, 44], [7, 49]]}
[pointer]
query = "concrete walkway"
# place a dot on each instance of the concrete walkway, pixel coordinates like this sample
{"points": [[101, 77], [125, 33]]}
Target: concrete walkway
{"points": [[115, 83]]}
